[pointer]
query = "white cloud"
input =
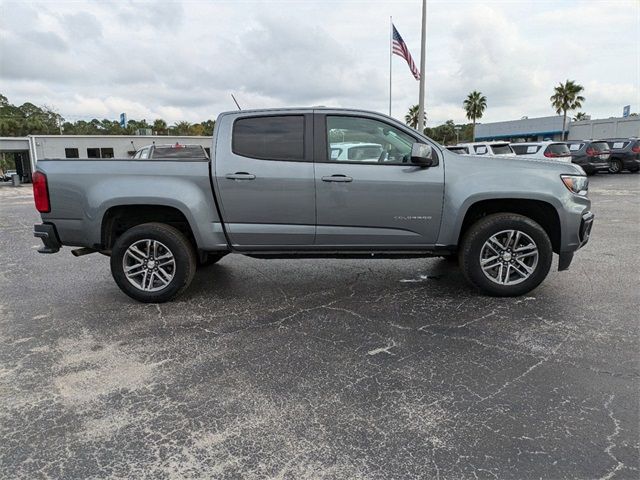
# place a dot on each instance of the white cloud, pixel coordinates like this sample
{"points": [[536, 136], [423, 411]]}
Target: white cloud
{"points": [[181, 61]]}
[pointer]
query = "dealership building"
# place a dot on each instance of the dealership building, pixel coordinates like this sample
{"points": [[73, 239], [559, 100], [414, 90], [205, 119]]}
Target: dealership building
{"points": [[26, 151], [542, 128]]}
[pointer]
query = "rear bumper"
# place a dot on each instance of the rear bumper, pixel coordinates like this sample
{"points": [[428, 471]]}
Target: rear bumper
{"points": [[584, 233], [47, 233]]}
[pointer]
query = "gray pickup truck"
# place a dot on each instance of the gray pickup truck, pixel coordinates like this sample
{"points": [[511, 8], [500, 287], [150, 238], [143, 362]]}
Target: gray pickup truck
{"points": [[280, 185]]}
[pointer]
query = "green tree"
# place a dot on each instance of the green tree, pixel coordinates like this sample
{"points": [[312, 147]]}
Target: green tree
{"points": [[580, 116], [411, 118], [475, 104], [566, 97], [159, 127], [181, 128]]}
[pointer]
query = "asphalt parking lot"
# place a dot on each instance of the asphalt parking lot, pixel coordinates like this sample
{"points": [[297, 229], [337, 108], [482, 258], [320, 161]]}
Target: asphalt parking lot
{"points": [[322, 369]]}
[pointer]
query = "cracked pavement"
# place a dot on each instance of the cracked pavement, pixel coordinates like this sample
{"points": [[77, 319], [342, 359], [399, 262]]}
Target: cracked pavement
{"points": [[345, 369]]}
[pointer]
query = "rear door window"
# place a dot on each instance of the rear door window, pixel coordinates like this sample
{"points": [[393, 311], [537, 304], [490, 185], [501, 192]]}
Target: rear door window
{"points": [[269, 138]]}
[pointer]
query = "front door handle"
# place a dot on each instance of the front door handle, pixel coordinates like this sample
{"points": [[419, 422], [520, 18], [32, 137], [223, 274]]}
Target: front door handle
{"points": [[240, 176], [337, 178]]}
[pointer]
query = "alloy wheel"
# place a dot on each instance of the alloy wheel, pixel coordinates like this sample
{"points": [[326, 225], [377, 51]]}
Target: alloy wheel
{"points": [[149, 265], [509, 257]]}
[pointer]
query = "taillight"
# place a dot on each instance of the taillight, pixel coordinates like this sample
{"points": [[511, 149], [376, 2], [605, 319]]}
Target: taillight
{"points": [[636, 149], [591, 152], [41, 192], [550, 155]]}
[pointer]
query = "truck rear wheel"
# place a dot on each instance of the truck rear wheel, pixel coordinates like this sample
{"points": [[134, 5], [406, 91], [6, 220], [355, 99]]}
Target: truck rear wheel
{"points": [[505, 254], [153, 262]]}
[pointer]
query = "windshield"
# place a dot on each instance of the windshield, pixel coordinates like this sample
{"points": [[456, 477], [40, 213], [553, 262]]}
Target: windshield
{"points": [[504, 149]]}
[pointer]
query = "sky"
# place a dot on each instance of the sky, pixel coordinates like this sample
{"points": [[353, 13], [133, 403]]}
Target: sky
{"points": [[182, 60]]}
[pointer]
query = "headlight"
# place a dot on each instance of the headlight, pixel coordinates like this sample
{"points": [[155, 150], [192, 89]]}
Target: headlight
{"points": [[576, 183]]}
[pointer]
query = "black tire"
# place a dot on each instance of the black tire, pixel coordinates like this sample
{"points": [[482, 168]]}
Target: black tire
{"points": [[205, 259], [480, 232], [616, 166], [182, 269]]}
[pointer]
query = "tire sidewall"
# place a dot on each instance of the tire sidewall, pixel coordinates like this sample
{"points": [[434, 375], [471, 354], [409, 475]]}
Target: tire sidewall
{"points": [[174, 241], [482, 231]]}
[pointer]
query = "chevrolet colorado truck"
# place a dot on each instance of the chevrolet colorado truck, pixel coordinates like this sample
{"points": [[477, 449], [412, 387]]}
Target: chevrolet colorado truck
{"points": [[274, 188]]}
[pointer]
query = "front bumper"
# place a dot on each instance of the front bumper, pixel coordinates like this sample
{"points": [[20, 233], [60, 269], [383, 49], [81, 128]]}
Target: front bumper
{"points": [[47, 233], [584, 233]]}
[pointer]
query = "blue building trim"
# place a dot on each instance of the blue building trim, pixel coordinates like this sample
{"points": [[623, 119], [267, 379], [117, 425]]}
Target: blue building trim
{"points": [[521, 134]]}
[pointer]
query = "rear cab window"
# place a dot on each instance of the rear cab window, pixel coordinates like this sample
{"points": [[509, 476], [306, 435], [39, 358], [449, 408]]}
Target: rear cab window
{"points": [[458, 150], [179, 151], [275, 137]]}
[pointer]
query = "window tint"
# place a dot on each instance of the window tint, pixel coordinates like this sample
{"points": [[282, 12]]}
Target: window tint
{"points": [[179, 151], [71, 153], [144, 153], [269, 138], [357, 139], [558, 149], [522, 149], [458, 150], [574, 147], [618, 145], [501, 149], [600, 146]]}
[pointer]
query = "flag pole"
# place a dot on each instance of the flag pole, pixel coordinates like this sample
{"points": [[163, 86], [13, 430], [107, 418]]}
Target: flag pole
{"points": [[422, 65], [390, 58]]}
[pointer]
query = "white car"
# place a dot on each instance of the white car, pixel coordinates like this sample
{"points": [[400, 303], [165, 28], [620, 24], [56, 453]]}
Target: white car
{"points": [[356, 151], [490, 149], [547, 150]]}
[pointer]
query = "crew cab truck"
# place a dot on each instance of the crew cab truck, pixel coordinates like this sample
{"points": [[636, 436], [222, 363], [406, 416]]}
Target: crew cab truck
{"points": [[273, 189]]}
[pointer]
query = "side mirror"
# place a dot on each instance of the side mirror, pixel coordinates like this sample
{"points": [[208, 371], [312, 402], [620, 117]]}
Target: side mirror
{"points": [[423, 155]]}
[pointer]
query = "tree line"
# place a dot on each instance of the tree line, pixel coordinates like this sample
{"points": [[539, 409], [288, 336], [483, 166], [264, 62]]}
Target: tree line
{"points": [[30, 119]]}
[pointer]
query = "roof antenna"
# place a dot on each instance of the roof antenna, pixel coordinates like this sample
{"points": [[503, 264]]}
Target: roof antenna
{"points": [[237, 104]]}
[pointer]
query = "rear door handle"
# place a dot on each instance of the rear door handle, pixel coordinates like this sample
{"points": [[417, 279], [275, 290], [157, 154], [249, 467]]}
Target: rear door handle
{"points": [[337, 178], [240, 176]]}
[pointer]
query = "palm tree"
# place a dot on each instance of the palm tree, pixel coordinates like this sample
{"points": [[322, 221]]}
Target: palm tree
{"points": [[411, 118], [182, 128], [160, 127], [580, 116], [566, 97], [475, 105]]}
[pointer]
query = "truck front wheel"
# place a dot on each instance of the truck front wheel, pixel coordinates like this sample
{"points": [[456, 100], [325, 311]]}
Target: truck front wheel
{"points": [[505, 254], [153, 262]]}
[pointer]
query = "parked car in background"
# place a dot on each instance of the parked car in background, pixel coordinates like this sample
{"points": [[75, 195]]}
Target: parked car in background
{"points": [[592, 156], [459, 149], [176, 150], [357, 152], [543, 150], [489, 149], [7, 175], [625, 154]]}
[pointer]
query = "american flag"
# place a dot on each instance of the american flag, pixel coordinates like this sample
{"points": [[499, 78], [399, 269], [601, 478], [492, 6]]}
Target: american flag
{"points": [[400, 48]]}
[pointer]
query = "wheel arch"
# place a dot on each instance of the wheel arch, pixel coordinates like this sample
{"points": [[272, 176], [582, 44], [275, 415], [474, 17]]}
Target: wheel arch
{"points": [[542, 212], [119, 218]]}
